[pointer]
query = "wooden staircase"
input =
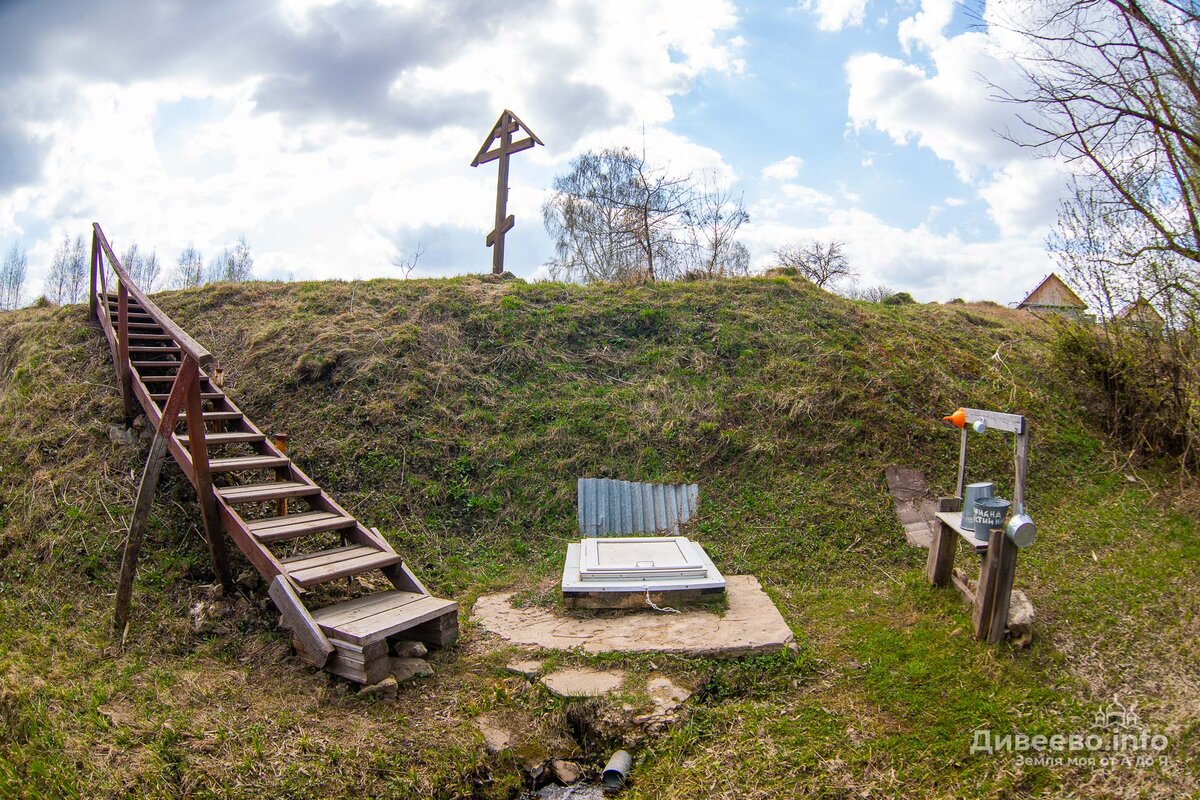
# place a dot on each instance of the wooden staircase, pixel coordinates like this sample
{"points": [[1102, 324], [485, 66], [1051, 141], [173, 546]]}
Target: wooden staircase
{"points": [[290, 529]]}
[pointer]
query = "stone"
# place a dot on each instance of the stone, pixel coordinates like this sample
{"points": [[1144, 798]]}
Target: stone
{"points": [[1021, 616], [556, 792], [405, 669], [496, 738], [632, 724], [751, 624], [530, 669], [120, 435], [568, 683], [566, 772], [205, 612], [386, 689], [406, 648]]}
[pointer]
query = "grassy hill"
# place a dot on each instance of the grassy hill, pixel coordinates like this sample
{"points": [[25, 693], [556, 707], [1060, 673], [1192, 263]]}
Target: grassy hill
{"points": [[457, 414]]}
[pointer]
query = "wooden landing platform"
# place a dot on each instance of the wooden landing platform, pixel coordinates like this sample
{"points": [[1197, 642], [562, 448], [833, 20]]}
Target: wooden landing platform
{"points": [[362, 630]]}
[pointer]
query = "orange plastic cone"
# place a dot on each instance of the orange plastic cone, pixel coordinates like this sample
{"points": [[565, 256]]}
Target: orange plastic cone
{"points": [[959, 418]]}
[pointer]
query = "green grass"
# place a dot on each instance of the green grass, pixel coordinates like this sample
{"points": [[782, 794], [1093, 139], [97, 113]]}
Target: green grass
{"points": [[456, 415]]}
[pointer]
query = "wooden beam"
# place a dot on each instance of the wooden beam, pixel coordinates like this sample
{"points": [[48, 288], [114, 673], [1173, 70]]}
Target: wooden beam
{"points": [[959, 579], [508, 226], [316, 647], [515, 147], [145, 495], [203, 484]]}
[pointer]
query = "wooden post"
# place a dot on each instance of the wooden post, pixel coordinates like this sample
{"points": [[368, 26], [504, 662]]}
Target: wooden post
{"points": [[985, 592], [204, 488], [501, 135], [145, 495], [1022, 469], [126, 373], [314, 646], [281, 444], [1005, 570], [962, 461], [93, 306], [942, 548]]}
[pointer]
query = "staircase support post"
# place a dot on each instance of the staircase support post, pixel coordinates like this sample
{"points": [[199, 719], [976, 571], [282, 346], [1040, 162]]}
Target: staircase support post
{"points": [[145, 495], [93, 306], [126, 374], [203, 482]]}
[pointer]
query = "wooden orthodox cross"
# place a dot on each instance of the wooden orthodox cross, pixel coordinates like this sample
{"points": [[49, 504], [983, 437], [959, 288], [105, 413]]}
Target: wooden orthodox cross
{"points": [[502, 137]]}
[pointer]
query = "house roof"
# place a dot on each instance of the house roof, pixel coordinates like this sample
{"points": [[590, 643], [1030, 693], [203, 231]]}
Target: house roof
{"points": [[1140, 309], [1052, 292]]}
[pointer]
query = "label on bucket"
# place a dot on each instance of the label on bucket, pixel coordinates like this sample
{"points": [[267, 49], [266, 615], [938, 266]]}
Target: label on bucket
{"points": [[989, 513]]}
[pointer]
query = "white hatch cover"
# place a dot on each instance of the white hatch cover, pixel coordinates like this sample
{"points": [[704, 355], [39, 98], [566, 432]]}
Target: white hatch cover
{"points": [[646, 557]]}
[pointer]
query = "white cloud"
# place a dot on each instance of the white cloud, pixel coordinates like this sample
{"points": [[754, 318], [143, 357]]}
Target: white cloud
{"points": [[335, 193], [784, 169], [949, 109], [1024, 195], [834, 15], [926, 26]]}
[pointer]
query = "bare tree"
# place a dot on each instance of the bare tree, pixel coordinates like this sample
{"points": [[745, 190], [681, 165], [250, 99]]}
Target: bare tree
{"points": [[149, 271], [614, 216], [823, 263], [189, 269], [58, 280], [1112, 88], [12, 278], [239, 264], [409, 262], [77, 272], [715, 220], [871, 294]]}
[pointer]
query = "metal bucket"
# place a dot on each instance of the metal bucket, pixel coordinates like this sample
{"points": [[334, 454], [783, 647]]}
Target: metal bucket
{"points": [[990, 513], [971, 494]]}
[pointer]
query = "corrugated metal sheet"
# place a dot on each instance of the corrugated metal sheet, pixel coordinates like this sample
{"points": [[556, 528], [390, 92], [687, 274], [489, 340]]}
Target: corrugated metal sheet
{"points": [[613, 508]]}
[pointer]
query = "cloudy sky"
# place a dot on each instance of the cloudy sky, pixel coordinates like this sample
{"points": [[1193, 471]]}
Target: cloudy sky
{"points": [[337, 135]]}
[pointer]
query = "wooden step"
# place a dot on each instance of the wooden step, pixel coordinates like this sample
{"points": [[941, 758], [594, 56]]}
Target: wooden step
{"points": [[145, 349], [374, 617], [276, 529], [203, 395], [218, 416], [240, 463], [340, 562], [159, 364], [148, 327], [267, 491], [237, 437]]}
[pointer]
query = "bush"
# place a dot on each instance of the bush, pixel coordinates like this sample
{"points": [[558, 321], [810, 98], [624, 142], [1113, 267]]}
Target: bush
{"points": [[898, 299], [1144, 389]]}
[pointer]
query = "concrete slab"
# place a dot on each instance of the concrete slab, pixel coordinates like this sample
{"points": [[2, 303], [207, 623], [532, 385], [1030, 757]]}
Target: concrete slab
{"points": [[914, 507], [751, 624]]}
